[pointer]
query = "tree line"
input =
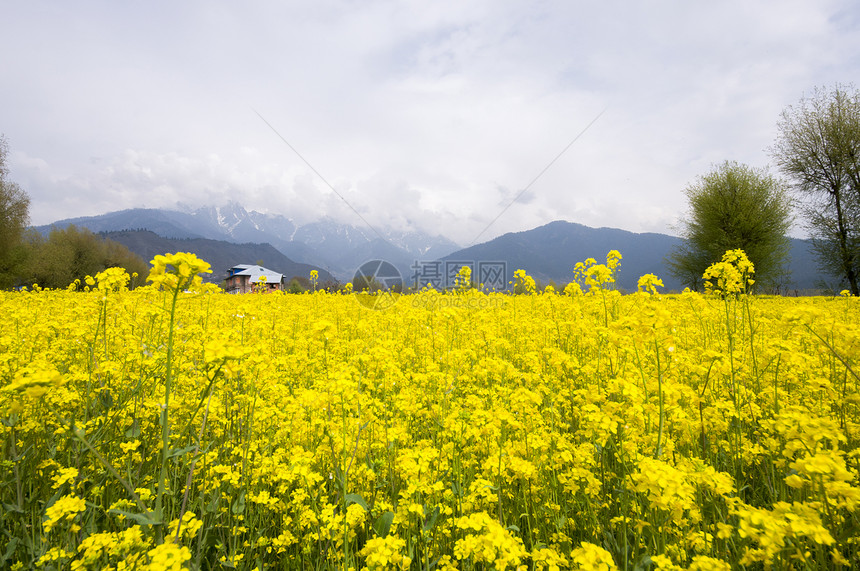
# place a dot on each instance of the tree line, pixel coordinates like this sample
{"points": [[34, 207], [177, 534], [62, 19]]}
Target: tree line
{"points": [[58, 259], [817, 150]]}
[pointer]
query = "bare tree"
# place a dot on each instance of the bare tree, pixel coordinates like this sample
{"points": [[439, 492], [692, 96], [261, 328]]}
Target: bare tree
{"points": [[818, 148]]}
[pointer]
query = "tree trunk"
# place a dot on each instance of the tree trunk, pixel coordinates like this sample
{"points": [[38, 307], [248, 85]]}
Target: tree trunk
{"points": [[845, 252]]}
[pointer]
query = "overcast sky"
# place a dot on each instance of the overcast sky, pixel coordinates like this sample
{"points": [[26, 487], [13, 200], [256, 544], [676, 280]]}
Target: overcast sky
{"points": [[433, 115]]}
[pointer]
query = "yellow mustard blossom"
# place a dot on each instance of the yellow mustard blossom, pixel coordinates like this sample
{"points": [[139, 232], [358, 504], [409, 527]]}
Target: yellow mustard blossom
{"points": [[35, 379], [613, 258], [65, 476], [547, 558], [705, 563], [590, 557], [472, 430], [190, 526], [488, 542], [126, 548], [178, 271], [167, 557], [385, 553], [523, 283], [463, 279], [54, 554], [65, 508], [731, 275], [649, 283], [112, 279]]}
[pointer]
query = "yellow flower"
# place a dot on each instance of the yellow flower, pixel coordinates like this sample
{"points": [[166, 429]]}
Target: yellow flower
{"points": [[385, 553], [732, 275], [705, 563], [65, 508], [112, 279], [523, 283], [549, 559], [178, 271], [590, 557], [64, 476], [168, 557], [222, 348], [54, 554], [599, 276], [649, 283], [612, 259], [35, 379], [472, 429], [190, 526], [492, 543]]}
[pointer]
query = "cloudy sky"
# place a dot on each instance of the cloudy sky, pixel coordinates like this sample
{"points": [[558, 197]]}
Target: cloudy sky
{"points": [[433, 115]]}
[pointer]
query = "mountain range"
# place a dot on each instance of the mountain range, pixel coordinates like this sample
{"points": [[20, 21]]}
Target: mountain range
{"points": [[220, 254], [228, 235], [549, 253], [336, 248]]}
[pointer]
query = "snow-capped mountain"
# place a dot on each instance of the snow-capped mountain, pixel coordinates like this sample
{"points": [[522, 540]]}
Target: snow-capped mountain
{"points": [[240, 224], [339, 248]]}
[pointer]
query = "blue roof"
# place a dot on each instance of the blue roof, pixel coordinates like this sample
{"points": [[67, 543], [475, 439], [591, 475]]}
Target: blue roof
{"points": [[254, 273]]}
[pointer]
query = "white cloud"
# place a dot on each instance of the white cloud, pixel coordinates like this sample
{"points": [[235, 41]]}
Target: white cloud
{"points": [[417, 113]]}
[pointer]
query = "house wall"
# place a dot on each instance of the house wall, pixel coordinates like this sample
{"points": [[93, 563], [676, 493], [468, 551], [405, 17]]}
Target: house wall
{"points": [[242, 284], [237, 284]]}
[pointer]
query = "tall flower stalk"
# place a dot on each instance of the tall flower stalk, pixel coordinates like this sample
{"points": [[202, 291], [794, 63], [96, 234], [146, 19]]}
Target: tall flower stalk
{"points": [[174, 274]]}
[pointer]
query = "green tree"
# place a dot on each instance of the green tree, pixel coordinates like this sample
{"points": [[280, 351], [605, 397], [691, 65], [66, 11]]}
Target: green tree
{"points": [[72, 253], [734, 206], [363, 283], [295, 286], [818, 148], [14, 218]]}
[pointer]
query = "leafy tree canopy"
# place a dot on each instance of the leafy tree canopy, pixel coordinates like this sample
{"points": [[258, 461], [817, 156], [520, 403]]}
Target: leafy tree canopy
{"points": [[14, 218], [734, 207], [72, 253]]}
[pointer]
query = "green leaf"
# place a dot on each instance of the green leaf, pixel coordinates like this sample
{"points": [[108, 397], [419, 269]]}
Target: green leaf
{"points": [[133, 431], [106, 399], [645, 562], [382, 525], [238, 506], [356, 499], [173, 452], [10, 550], [212, 506], [12, 508], [142, 519], [431, 521]]}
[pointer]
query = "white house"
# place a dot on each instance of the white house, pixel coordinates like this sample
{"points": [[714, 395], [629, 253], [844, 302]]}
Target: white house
{"points": [[244, 278]]}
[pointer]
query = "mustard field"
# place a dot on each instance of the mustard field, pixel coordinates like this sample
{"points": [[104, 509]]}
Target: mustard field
{"points": [[174, 427]]}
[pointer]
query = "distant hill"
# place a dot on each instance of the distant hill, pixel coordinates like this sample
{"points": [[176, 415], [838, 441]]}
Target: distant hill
{"points": [[548, 252], [551, 251], [165, 223], [221, 255], [338, 248]]}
